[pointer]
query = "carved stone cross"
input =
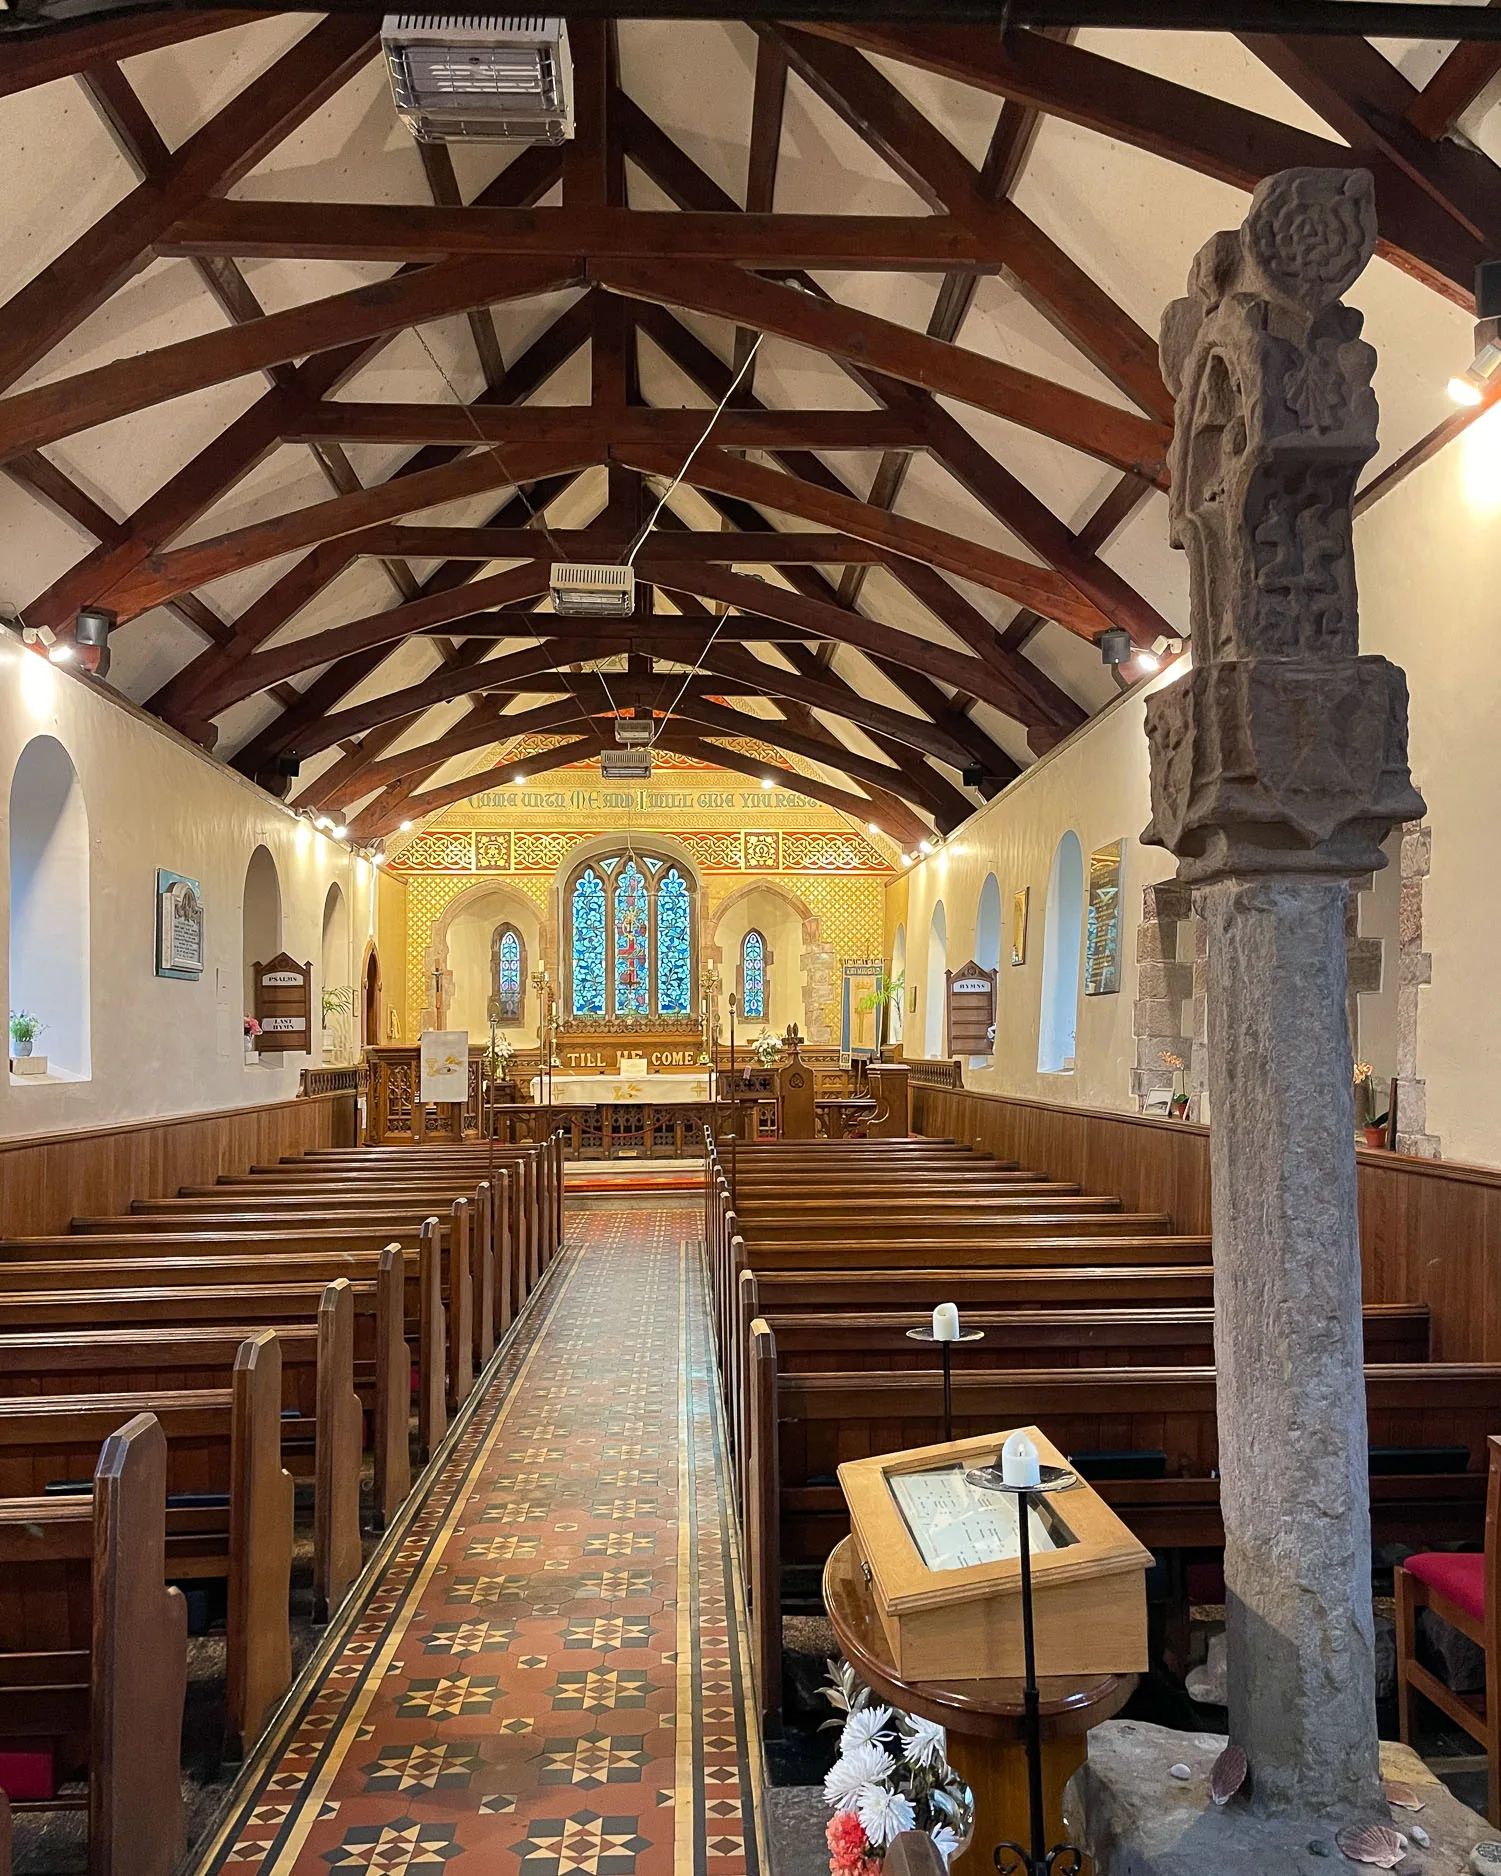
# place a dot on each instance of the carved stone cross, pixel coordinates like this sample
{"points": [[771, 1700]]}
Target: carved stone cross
{"points": [[1279, 764]]}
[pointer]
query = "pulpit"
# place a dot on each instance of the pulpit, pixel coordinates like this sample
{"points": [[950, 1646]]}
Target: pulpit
{"points": [[796, 1091], [396, 1115]]}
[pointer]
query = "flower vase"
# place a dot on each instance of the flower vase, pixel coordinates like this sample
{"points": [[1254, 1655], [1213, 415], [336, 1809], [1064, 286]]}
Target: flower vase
{"points": [[20, 1046]]}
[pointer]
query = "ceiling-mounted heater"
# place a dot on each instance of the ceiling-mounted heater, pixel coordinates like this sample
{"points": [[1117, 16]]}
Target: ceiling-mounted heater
{"points": [[633, 729], [592, 592], [480, 77], [625, 765]]}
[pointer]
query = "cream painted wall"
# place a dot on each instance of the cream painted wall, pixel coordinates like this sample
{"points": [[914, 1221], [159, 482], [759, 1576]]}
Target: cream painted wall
{"points": [[1428, 557], [469, 961], [161, 1046], [1094, 784], [778, 922]]}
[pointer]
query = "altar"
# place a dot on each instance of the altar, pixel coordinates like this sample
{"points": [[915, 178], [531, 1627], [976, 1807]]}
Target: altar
{"points": [[659, 1090]]}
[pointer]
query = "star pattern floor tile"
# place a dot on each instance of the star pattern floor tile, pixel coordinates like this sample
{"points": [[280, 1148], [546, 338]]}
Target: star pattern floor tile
{"points": [[550, 1675]]}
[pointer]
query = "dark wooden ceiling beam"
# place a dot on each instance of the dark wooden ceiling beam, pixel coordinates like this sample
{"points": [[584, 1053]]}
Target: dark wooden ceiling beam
{"points": [[376, 823], [912, 145], [443, 187], [59, 298], [1116, 436], [857, 807], [351, 422], [1184, 126], [460, 741], [386, 231], [1454, 87], [431, 542], [768, 106], [61, 54], [68, 405]]}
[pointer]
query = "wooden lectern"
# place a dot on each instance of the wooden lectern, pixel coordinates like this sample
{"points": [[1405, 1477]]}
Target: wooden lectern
{"points": [[796, 1085]]}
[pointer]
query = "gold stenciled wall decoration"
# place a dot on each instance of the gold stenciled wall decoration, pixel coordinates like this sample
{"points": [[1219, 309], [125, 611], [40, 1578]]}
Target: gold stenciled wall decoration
{"points": [[736, 833]]}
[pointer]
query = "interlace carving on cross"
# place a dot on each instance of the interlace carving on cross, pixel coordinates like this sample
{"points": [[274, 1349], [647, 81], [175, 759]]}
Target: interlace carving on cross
{"points": [[1284, 750]]}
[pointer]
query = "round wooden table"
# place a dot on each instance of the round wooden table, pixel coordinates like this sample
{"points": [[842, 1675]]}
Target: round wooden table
{"points": [[986, 1738]]}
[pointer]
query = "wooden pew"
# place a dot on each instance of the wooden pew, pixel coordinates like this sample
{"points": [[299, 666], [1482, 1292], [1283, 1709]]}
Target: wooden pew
{"points": [[225, 1442], [93, 1648], [186, 1261], [382, 1362], [317, 1365]]}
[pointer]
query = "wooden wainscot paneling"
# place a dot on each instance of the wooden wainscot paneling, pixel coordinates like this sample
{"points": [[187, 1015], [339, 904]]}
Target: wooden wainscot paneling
{"points": [[47, 1180], [1430, 1230]]}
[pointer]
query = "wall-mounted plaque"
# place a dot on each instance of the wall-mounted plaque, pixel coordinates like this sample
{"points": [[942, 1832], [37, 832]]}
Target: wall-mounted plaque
{"points": [[1019, 925], [1102, 928], [284, 1005], [179, 926], [971, 1009]]}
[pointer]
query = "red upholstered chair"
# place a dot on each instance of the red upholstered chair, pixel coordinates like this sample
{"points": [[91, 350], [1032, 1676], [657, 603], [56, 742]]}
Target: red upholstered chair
{"points": [[1463, 1588]]}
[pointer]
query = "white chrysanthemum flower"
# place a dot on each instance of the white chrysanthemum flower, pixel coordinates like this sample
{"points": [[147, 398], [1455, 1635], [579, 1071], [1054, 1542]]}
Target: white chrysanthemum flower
{"points": [[924, 1742], [858, 1768], [863, 1726], [883, 1814], [945, 1840]]}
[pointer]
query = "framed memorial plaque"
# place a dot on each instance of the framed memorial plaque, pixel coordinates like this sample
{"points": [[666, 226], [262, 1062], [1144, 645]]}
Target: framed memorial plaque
{"points": [[179, 926], [284, 1005]]}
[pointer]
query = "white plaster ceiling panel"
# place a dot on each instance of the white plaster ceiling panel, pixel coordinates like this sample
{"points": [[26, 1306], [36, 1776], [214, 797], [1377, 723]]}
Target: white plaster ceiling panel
{"points": [[477, 165], [1421, 340], [459, 768], [906, 299], [828, 169], [866, 680], [854, 738], [375, 463], [243, 722], [403, 371], [569, 384], [150, 650], [1072, 663], [966, 116], [230, 596], [796, 377], [282, 284], [355, 149], [1065, 480], [359, 590], [313, 767], [62, 173], [1140, 552], [662, 383], [857, 469], [37, 544], [696, 78], [163, 303], [408, 663], [1481, 122], [1214, 63], [280, 483], [1004, 731], [931, 495], [1002, 323], [183, 86], [884, 598], [519, 322], [432, 724]]}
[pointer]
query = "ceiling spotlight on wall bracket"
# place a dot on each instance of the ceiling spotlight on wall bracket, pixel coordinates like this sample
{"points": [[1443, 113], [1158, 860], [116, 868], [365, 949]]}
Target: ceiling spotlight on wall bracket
{"points": [[1470, 386], [1115, 644]]}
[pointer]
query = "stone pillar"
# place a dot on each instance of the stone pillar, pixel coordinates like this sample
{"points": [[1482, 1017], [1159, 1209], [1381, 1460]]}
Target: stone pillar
{"points": [[1279, 764]]}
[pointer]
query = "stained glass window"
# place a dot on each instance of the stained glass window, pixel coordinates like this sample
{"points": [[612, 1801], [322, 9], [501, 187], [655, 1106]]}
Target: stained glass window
{"points": [[674, 946], [505, 973], [753, 977], [589, 945], [632, 946]]}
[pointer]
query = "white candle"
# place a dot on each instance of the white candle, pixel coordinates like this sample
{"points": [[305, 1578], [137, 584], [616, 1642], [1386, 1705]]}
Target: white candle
{"points": [[946, 1323], [1019, 1462]]}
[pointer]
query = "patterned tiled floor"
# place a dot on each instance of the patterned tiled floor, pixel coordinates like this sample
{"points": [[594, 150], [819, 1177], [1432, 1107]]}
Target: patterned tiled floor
{"points": [[549, 1677]]}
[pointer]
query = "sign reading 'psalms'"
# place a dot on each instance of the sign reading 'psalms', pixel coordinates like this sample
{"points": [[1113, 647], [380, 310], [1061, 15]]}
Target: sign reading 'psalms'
{"points": [[284, 1005], [971, 1006]]}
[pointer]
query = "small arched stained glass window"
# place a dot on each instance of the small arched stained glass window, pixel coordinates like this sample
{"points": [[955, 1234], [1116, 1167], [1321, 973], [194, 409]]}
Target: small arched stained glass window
{"points": [[506, 970], [589, 945], [632, 944], [753, 977], [674, 945]]}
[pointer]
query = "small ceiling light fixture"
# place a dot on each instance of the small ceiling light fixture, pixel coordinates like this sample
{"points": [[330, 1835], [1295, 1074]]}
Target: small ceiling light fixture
{"points": [[324, 823], [520, 779], [38, 637], [1115, 644], [1147, 660], [1470, 386], [341, 832], [908, 858], [91, 630], [767, 782], [61, 653], [871, 828], [378, 858], [925, 846], [407, 826]]}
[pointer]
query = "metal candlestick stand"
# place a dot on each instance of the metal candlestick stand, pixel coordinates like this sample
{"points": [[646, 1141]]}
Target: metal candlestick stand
{"points": [[734, 1100], [925, 1334], [1064, 1859]]}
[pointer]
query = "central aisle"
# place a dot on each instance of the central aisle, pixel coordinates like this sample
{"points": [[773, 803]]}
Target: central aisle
{"points": [[549, 1674]]}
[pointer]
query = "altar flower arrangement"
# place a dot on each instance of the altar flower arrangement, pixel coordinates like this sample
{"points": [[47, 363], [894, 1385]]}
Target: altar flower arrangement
{"points": [[1371, 1123], [252, 1027], [892, 1774], [1180, 1094], [766, 1048]]}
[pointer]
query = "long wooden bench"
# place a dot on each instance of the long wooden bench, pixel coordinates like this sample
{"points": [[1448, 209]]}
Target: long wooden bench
{"points": [[383, 1366], [93, 1651], [187, 1261], [803, 1426], [321, 1416], [233, 1518]]}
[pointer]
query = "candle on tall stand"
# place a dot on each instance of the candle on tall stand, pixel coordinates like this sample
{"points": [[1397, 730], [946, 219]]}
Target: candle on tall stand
{"points": [[734, 1099], [437, 994], [946, 1332], [538, 981], [493, 1065]]}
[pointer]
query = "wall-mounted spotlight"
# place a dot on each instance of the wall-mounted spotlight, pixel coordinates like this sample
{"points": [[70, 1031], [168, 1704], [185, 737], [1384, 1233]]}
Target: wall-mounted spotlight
{"points": [[1115, 644], [38, 637], [1470, 386], [341, 832], [91, 630], [1147, 660]]}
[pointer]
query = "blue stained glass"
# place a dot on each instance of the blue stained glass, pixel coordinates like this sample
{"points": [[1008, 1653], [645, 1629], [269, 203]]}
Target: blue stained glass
{"points": [[589, 945], [674, 946], [508, 977], [753, 976], [632, 945]]}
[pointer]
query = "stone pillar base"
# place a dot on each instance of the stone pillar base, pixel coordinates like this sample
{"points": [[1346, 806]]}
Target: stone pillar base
{"points": [[1135, 1819]]}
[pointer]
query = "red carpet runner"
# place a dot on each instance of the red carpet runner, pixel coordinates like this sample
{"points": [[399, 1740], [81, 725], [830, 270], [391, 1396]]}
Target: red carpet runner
{"points": [[548, 1677]]}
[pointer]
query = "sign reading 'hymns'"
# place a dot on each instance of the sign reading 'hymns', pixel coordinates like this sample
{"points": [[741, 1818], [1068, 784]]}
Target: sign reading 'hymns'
{"points": [[284, 1005]]}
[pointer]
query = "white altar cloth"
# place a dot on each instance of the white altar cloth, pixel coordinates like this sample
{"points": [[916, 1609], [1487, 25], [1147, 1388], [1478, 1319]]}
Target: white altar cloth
{"points": [[637, 1090]]}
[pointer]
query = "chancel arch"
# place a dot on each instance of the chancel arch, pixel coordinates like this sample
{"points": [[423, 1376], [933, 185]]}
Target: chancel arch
{"points": [[49, 904]]}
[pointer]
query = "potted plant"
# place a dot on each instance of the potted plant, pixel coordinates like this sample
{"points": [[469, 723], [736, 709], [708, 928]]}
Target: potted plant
{"points": [[252, 1030], [1370, 1123], [886, 996], [892, 1774], [24, 1030], [338, 1000], [1179, 1107]]}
